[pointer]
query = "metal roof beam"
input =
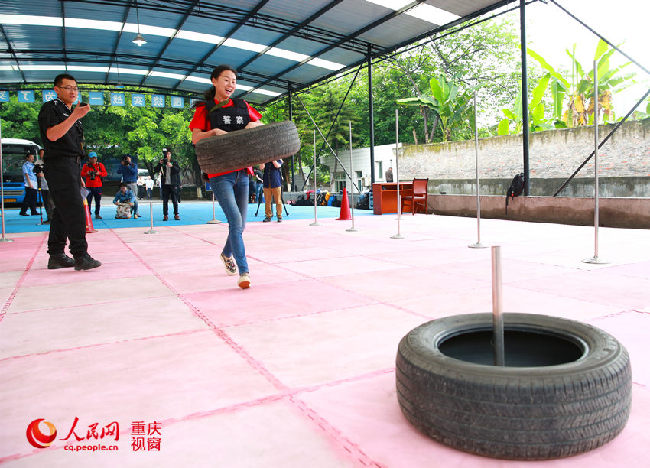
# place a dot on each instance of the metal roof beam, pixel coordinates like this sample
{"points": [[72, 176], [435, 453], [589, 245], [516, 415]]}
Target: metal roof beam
{"points": [[100, 58], [65, 57], [319, 13], [216, 11], [117, 41], [169, 40], [355, 34], [232, 31], [12, 52]]}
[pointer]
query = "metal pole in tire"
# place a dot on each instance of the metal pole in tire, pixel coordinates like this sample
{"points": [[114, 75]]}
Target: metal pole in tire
{"points": [[151, 230], [315, 223], [478, 244], [497, 318], [352, 229], [399, 197], [214, 220], [2, 192], [595, 258]]}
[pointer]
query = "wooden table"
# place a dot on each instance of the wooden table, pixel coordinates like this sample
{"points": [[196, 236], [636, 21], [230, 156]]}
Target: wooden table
{"points": [[384, 196]]}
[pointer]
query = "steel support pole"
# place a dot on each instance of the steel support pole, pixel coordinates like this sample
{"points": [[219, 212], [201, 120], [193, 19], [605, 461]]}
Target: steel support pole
{"points": [[524, 93], [371, 119], [214, 220], [290, 106], [2, 192], [478, 244], [352, 229], [151, 230], [497, 317], [399, 197], [315, 223], [595, 258]]}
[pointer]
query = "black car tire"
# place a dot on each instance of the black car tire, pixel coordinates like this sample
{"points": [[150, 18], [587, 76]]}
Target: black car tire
{"points": [[565, 388], [247, 147]]}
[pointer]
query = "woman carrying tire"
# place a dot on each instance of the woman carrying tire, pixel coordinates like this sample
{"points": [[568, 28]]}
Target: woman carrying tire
{"points": [[218, 115]]}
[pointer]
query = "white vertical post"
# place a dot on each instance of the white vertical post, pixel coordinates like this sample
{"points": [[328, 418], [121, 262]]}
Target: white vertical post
{"points": [[497, 318], [150, 230], [315, 223], [352, 176], [399, 196], [478, 244], [595, 258], [2, 192], [214, 220]]}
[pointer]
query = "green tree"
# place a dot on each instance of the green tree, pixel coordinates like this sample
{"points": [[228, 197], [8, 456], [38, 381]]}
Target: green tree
{"points": [[20, 120]]}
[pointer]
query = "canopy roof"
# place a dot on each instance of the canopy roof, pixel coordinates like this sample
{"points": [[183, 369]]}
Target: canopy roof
{"points": [[273, 43]]}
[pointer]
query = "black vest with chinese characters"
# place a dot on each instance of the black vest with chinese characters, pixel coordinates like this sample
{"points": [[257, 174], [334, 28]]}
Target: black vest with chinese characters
{"points": [[228, 119]]}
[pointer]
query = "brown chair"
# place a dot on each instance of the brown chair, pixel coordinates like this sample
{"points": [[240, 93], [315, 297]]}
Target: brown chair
{"points": [[418, 199]]}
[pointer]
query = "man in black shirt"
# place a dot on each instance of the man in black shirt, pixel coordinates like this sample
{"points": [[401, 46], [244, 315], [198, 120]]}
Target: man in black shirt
{"points": [[62, 136]]}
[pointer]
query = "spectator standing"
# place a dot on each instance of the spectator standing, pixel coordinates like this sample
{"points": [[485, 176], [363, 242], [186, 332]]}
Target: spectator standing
{"points": [[31, 187], [273, 189], [62, 136], [389, 175], [129, 171], [45, 190], [170, 179], [259, 182], [148, 183], [93, 172]]}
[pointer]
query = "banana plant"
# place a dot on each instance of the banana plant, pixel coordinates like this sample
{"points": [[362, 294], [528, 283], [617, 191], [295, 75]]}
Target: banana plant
{"points": [[580, 106], [536, 111], [450, 106]]}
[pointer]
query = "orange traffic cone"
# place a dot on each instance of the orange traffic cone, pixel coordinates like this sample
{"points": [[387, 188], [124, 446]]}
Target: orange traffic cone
{"points": [[345, 208], [89, 220]]}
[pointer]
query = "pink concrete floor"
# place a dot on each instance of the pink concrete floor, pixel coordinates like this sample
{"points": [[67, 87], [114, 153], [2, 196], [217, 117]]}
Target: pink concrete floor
{"points": [[298, 370]]}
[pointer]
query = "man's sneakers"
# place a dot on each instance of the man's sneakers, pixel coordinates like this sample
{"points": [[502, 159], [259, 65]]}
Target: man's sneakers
{"points": [[136, 216], [244, 281], [97, 216], [61, 260], [266, 220], [85, 262], [23, 214], [229, 262], [165, 218], [176, 217]]}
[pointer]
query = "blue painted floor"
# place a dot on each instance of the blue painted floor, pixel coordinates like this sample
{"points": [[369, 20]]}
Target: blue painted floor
{"points": [[191, 213]]}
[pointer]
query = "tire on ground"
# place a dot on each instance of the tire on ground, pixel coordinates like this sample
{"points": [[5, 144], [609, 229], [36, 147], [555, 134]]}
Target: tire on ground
{"points": [[243, 148], [543, 412]]}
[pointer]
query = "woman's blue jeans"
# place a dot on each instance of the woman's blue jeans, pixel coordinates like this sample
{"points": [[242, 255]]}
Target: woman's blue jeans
{"points": [[231, 191]]}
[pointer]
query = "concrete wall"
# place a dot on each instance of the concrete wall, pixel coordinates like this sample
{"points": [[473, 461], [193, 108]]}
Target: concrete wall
{"points": [[579, 187], [554, 156], [613, 212]]}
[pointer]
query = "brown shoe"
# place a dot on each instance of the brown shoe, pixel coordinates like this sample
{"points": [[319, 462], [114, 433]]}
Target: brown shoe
{"points": [[165, 218], [176, 217]]}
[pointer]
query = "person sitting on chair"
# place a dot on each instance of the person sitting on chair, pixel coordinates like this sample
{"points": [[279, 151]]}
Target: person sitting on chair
{"points": [[124, 200]]}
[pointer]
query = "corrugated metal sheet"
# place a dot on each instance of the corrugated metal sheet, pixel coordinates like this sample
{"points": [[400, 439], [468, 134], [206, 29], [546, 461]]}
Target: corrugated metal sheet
{"points": [[271, 42]]}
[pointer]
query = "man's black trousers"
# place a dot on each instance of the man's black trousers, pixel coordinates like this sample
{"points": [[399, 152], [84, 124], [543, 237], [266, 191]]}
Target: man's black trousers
{"points": [[169, 191], [29, 201], [68, 217]]}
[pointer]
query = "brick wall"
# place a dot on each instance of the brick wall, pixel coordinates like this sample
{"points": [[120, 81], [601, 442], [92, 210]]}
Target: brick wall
{"points": [[554, 154]]}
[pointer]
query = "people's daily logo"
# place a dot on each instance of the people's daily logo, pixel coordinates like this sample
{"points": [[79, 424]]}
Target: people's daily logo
{"points": [[41, 433]]}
